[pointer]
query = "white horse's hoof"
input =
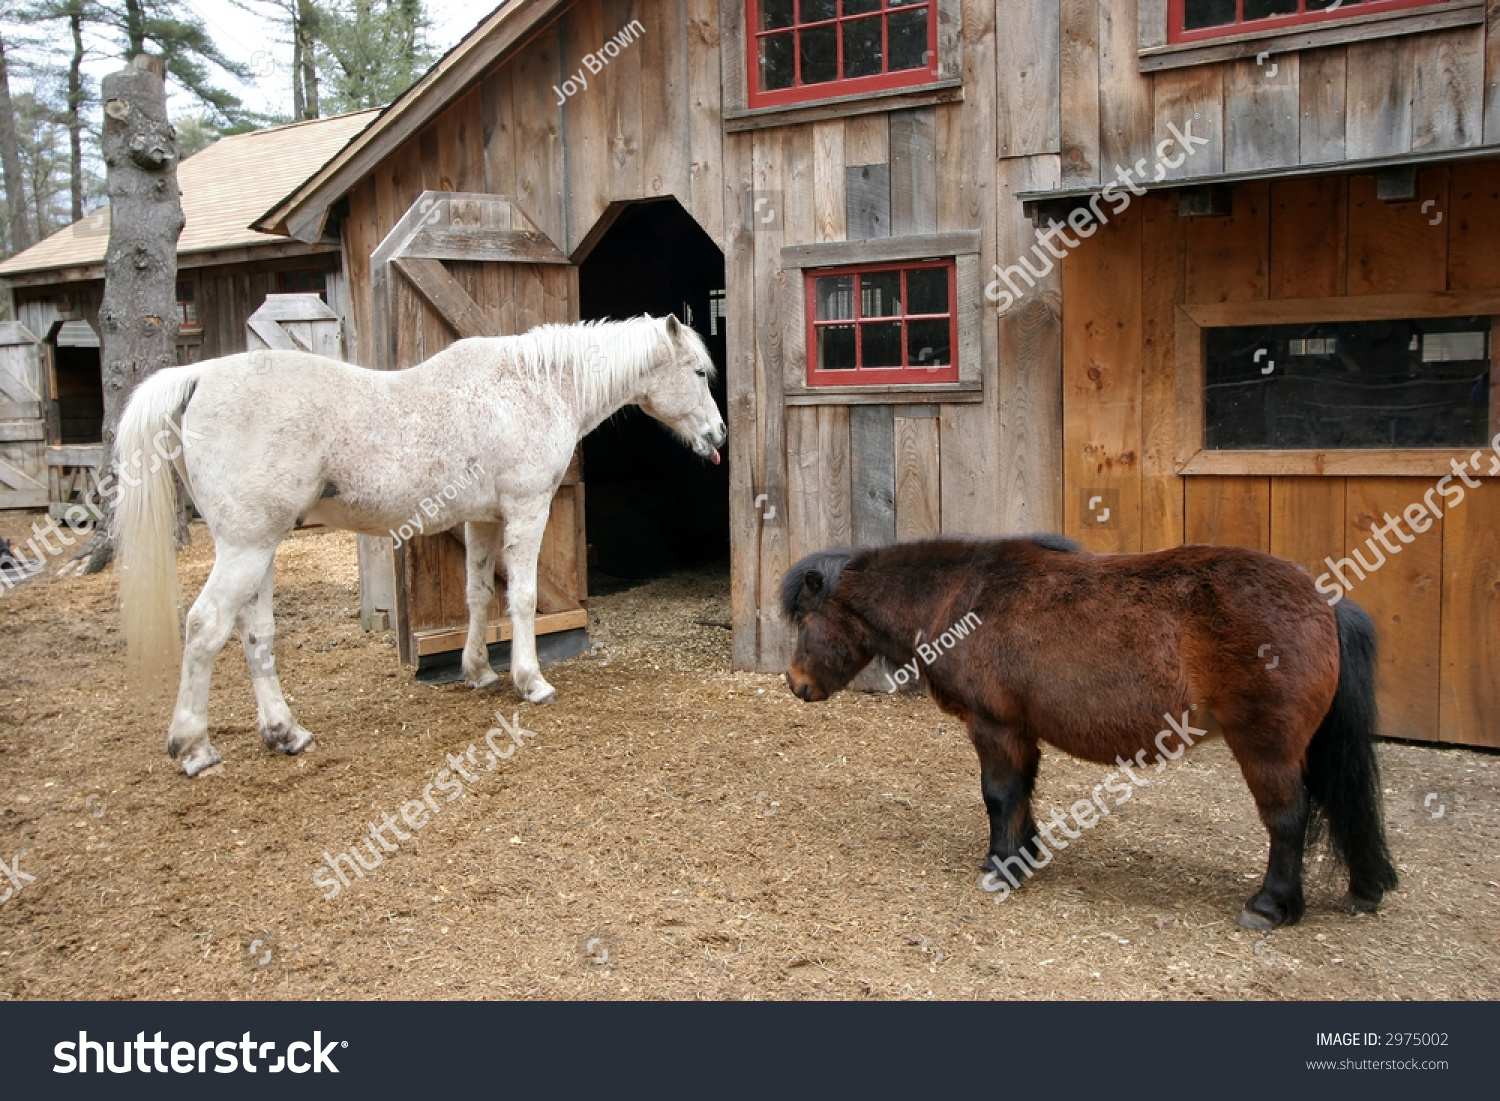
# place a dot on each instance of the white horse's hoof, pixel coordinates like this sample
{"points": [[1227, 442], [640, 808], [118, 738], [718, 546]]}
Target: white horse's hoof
{"points": [[289, 740], [543, 694], [202, 759], [484, 680]]}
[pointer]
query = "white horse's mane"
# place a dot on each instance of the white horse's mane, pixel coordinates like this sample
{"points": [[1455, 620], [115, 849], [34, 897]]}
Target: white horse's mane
{"points": [[603, 357]]}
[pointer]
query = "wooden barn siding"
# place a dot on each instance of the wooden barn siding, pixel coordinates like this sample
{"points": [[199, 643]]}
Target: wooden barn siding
{"points": [[1438, 603]]}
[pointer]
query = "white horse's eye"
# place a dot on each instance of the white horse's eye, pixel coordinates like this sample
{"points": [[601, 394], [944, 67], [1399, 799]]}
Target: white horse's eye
{"points": [[701, 373]]}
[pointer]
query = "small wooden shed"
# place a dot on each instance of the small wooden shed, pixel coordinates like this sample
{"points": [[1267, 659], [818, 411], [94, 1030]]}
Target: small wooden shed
{"points": [[225, 272], [1162, 188]]}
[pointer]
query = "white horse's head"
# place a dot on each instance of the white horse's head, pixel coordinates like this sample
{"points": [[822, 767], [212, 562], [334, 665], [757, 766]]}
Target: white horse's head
{"points": [[676, 390]]}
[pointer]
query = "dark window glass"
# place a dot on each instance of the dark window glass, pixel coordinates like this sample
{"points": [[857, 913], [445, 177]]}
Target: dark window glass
{"points": [[882, 344], [815, 10], [835, 296], [820, 56], [836, 348], [908, 31], [775, 14], [863, 55], [880, 294], [1264, 9], [777, 65], [927, 291], [860, 7], [1361, 384], [1198, 14], [927, 344], [187, 305]]}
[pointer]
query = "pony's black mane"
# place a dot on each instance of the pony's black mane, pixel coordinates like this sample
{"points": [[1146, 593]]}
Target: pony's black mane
{"points": [[829, 564]]}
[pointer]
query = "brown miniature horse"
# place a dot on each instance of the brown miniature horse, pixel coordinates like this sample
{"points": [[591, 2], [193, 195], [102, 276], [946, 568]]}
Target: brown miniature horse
{"points": [[1091, 652]]}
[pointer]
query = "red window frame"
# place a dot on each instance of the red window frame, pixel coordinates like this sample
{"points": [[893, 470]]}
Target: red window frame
{"points": [[1351, 10], [187, 306], [303, 281], [807, 93], [860, 375]]}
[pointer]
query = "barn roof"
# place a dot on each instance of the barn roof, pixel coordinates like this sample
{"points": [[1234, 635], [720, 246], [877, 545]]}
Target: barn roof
{"points": [[224, 188], [303, 212]]}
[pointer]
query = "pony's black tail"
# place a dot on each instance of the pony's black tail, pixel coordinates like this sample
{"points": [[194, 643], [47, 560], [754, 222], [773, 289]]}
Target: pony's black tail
{"points": [[1343, 776]]}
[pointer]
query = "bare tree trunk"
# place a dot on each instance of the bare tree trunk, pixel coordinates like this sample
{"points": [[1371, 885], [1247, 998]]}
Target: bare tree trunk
{"points": [[307, 33], [139, 313], [75, 115], [299, 109], [18, 229]]}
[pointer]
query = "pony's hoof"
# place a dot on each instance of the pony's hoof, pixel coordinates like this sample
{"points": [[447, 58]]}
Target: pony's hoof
{"points": [[289, 740], [484, 680], [1351, 903], [202, 759], [541, 696], [1255, 922]]}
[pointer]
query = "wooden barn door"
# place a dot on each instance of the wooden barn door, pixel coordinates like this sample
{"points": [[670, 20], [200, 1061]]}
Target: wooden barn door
{"points": [[23, 441], [463, 265]]}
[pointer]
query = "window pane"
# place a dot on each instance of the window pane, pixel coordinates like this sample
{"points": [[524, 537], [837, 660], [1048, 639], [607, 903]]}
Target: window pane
{"points": [[880, 294], [908, 40], [775, 14], [882, 344], [1367, 384], [776, 61], [835, 296], [902, 3], [815, 10], [836, 348], [1207, 13], [927, 343], [1324, 5], [862, 56], [927, 290], [820, 54], [1264, 9], [860, 7]]}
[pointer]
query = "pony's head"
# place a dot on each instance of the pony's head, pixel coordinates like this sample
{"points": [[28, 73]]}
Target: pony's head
{"points": [[676, 392], [833, 644]]}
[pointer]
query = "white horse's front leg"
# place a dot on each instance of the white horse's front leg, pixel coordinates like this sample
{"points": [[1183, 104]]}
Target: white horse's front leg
{"points": [[234, 579], [480, 544], [257, 630], [523, 544]]}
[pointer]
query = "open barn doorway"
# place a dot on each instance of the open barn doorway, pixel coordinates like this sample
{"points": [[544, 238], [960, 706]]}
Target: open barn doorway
{"points": [[652, 506]]}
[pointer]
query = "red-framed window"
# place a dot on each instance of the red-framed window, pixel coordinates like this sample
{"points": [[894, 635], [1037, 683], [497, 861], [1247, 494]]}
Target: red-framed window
{"points": [[1195, 20], [882, 323], [303, 281], [802, 50], [187, 306]]}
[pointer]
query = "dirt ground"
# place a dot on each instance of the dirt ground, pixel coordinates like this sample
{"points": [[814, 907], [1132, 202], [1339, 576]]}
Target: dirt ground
{"points": [[674, 830]]}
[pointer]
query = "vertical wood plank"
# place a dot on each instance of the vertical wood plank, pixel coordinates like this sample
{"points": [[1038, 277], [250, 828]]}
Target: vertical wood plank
{"points": [[538, 123], [1228, 511], [1193, 98], [828, 180], [798, 225], [1398, 246], [662, 70], [1102, 386], [867, 201], [498, 105], [705, 118], [867, 139], [1474, 227], [913, 171], [1469, 711], [1309, 237], [1492, 72], [872, 472], [585, 125], [1228, 259], [747, 461], [1028, 58], [1079, 71], [1124, 93], [1377, 99], [918, 485], [834, 484], [1264, 114], [622, 82], [1404, 597], [805, 529], [1307, 521], [1321, 92], [1163, 287], [1447, 110]]}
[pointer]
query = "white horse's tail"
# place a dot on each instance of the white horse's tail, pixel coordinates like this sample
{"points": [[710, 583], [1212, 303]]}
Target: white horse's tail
{"points": [[145, 523]]}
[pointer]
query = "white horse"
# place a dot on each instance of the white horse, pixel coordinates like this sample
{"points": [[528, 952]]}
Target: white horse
{"points": [[283, 438]]}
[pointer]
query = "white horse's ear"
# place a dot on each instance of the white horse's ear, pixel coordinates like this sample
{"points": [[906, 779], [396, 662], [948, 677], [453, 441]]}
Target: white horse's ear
{"points": [[673, 327]]}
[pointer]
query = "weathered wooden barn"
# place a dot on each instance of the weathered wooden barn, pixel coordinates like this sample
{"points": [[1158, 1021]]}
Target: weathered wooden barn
{"points": [[1143, 272], [225, 270]]}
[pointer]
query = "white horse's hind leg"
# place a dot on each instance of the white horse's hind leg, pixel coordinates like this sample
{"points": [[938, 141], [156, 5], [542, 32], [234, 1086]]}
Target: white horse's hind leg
{"points": [[257, 630], [234, 579], [480, 543], [523, 543]]}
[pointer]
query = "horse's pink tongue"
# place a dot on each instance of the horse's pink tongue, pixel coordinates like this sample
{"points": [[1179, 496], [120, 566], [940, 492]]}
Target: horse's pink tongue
{"points": [[716, 456]]}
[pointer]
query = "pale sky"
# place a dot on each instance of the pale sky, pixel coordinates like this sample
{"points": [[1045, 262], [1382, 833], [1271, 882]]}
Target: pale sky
{"points": [[244, 37]]}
